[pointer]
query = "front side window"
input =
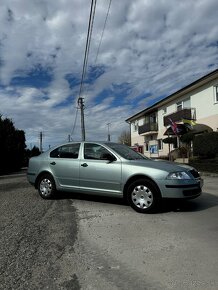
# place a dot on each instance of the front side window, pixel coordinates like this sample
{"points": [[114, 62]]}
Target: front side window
{"points": [[66, 151], [95, 151]]}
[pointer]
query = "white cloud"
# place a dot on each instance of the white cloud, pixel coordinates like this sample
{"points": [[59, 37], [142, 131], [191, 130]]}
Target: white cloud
{"points": [[149, 48]]}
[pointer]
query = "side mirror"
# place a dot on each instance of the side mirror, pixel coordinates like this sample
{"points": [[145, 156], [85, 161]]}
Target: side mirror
{"points": [[108, 156]]}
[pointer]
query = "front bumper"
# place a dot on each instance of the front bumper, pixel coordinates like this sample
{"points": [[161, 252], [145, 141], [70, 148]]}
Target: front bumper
{"points": [[182, 189]]}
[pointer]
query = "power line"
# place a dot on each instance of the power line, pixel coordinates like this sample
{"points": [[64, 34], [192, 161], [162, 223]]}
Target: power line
{"points": [[80, 100], [102, 34], [88, 41]]}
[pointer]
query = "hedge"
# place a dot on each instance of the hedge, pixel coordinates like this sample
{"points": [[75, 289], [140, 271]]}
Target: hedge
{"points": [[206, 145]]}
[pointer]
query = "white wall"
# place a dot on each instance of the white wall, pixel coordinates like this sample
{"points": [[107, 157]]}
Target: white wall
{"points": [[202, 99]]}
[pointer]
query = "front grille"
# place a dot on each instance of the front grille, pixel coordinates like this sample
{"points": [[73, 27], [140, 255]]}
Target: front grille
{"points": [[194, 173], [192, 192]]}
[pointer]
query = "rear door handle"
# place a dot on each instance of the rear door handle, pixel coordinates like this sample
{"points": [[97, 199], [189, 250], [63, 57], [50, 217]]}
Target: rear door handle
{"points": [[53, 163], [84, 165]]}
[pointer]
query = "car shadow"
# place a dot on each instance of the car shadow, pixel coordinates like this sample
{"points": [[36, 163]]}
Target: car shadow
{"points": [[205, 201], [90, 197]]}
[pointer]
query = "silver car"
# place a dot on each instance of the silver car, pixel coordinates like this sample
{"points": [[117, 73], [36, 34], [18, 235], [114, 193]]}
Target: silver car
{"points": [[112, 169]]}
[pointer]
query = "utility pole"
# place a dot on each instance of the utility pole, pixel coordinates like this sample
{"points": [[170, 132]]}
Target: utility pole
{"points": [[81, 107], [108, 133], [40, 142]]}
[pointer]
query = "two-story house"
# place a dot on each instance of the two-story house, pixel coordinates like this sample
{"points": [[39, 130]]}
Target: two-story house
{"points": [[197, 101]]}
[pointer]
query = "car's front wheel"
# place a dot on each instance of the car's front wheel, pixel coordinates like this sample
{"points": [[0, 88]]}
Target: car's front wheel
{"points": [[46, 186], [143, 196]]}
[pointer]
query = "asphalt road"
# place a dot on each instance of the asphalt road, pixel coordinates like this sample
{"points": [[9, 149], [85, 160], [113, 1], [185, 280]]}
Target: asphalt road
{"points": [[36, 239], [86, 242]]}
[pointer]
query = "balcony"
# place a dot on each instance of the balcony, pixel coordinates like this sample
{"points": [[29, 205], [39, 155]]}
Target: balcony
{"points": [[146, 129], [187, 113]]}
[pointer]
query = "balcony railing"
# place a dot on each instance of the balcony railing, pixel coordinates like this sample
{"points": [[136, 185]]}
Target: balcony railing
{"points": [[150, 127], [187, 113]]}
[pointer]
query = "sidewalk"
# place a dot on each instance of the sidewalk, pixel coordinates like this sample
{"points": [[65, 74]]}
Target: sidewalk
{"points": [[211, 174]]}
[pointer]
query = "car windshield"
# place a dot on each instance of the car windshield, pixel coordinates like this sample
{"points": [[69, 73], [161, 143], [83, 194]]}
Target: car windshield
{"points": [[126, 152]]}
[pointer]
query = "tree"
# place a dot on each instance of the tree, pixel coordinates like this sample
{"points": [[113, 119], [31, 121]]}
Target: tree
{"points": [[12, 146], [31, 153], [125, 138]]}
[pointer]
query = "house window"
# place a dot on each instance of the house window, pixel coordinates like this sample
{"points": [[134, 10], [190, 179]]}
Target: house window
{"points": [[153, 119], [187, 103], [164, 110], [216, 94], [146, 146], [183, 104], [179, 106], [160, 144], [150, 119], [135, 126]]}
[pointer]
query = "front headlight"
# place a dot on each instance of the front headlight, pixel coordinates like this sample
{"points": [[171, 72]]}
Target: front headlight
{"points": [[178, 175]]}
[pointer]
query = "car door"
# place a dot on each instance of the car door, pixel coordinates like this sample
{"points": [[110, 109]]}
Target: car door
{"points": [[64, 165], [98, 174]]}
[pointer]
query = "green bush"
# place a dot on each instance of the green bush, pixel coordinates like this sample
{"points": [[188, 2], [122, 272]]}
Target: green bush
{"points": [[206, 145], [205, 165]]}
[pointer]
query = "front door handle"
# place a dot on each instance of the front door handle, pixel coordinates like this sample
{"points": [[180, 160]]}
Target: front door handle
{"points": [[84, 165], [53, 163]]}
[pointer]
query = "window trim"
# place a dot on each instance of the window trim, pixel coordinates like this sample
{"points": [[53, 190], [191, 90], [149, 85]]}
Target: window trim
{"points": [[216, 94]]}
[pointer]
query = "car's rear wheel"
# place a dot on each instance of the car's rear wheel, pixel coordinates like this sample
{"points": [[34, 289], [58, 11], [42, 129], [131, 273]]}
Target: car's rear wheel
{"points": [[143, 196], [46, 186]]}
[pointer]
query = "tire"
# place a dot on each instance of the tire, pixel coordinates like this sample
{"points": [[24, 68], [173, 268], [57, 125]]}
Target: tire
{"points": [[46, 186], [144, 196]]}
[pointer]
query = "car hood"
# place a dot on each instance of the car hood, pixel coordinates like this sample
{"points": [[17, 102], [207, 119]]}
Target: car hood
{"points": [[161, 164]]}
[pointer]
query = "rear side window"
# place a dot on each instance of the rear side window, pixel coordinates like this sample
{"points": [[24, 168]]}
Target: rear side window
{"points": [[66, 151]]}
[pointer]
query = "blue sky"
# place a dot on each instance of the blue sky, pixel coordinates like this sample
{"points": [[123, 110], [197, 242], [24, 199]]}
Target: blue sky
{"points": [[149, 50]]}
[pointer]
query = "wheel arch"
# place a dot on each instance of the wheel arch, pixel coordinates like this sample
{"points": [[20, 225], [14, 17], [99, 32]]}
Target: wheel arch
{"points": [[136, 177], [41, 174]]}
